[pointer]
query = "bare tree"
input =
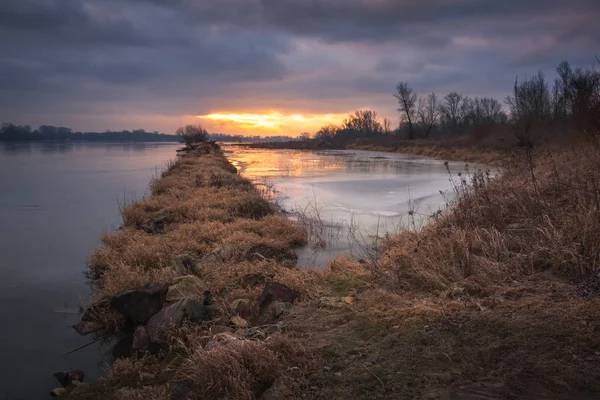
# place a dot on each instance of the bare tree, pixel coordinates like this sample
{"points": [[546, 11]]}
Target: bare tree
{"points": [[304, 136], [429, 113], [453, 110], [407, 106], [326, 132], [387, 126], [562, 99], [363, 123], [530, 108]]}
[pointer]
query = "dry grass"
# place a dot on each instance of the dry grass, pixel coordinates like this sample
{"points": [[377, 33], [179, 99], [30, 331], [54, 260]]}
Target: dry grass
{"points": [[467, 151], [543, 214], [497, 299]]}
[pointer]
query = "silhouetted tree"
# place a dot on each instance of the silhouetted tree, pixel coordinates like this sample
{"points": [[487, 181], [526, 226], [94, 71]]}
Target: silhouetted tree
{"points": [[530, 108], [387, 126], [363, 123], [304, 136], [407, 106], [326, 132], [453, 111], [429, 113], [192, 134]]}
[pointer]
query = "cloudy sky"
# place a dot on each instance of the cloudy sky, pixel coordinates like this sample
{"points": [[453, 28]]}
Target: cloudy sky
{"points": [[269, 66]]}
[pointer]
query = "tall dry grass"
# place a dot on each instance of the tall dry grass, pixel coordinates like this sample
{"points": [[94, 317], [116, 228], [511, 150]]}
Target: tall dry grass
{"points": [[541, 214]]}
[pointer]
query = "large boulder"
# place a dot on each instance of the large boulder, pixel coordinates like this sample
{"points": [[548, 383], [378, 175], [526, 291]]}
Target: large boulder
{"points": [[87, 327], [141, 304], [172, 316], [66, 377], [195, 311], [274, 291], [186, 287]]}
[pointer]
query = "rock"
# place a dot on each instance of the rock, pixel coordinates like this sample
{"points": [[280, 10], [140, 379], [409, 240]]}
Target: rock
{"points": [[65, 378], [184, 264], [239, 322], [139, 305], [281, 307], [87, 327], [241, 308], [195, 311], [140, 339], [170, 317], [186, 287], [123, 347], [212, 311], [182, 390], [58, 392], [211, 259], [274, 291], [77, 388]]}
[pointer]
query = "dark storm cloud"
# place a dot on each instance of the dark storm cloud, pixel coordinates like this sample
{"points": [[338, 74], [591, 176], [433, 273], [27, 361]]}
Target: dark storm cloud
{"points": [[190, 56]]}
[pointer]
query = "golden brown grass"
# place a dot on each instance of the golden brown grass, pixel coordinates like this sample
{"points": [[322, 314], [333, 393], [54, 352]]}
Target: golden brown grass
{"points": [[543, 214], [497, 299], [467, 151]]}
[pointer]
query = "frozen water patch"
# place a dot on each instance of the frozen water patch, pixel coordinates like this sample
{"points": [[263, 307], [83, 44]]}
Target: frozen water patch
{"points": [[352, 194]]}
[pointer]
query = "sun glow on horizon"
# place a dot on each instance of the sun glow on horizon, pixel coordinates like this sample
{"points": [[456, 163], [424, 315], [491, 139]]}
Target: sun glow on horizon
{"points": [[274, 121]]}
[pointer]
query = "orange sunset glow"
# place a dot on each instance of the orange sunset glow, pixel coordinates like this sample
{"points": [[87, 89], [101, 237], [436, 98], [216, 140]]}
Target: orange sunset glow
{"points": [[270, 123]]}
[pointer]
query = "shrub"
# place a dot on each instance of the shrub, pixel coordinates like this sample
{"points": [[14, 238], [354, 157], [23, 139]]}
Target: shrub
{"points": [[192, 134]]}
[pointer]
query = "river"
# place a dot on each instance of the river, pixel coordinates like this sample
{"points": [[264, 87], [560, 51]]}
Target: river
{"points": [[57, 199], [349, 199]]}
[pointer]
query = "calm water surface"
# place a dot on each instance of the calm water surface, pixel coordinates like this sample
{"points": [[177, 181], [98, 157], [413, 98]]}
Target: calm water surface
{"points": [[56, 200]]}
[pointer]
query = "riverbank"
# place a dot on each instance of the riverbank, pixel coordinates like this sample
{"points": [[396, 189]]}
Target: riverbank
{"points": [[496, 299], [488, 152]]}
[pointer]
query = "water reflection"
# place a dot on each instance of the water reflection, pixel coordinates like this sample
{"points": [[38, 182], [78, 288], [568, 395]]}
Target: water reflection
{"points": [[57, 147], [56, 200], [347, 198]]}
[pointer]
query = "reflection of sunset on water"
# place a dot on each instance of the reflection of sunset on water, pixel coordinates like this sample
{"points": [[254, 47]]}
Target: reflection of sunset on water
{"points": [[284, 163]]}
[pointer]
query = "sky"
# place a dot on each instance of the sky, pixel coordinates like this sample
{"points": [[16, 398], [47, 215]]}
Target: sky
{"points": [[270, 67]]}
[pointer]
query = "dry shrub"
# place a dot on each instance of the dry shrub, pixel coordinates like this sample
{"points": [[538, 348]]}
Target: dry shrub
{"points": [[235, 370]]}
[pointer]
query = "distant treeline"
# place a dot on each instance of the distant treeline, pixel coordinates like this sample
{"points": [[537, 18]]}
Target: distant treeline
{"points": [[535, 108], [12, 132]]}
